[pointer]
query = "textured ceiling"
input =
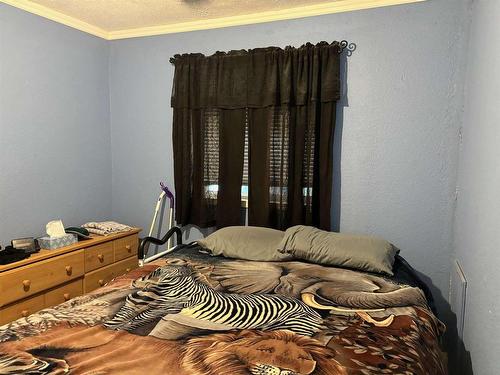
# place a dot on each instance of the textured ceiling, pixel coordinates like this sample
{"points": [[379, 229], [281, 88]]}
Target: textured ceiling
{"points": [[120, 19], [112, 15]]}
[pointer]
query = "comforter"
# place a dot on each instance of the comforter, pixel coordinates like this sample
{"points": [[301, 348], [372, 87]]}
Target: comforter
{"points": [[192, 314]]}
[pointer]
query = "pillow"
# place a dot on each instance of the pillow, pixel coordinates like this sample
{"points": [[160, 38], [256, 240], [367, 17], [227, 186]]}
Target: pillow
{"points": [[250, 243], [339, 249]]}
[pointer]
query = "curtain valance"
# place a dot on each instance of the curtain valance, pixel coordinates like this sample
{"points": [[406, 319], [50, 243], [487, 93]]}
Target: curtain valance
{"points": [[258, 78], [255, 125]]}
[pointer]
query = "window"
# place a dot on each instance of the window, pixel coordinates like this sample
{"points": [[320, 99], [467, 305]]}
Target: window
{"points": [[211, 154], [279, 138]]}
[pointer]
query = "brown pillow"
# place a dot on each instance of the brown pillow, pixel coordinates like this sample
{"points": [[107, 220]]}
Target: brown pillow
{"points": [[250, 243], [365, 253]]}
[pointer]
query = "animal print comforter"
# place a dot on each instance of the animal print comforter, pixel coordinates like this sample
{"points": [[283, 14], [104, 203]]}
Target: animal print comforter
{"points": [[193, 314]]}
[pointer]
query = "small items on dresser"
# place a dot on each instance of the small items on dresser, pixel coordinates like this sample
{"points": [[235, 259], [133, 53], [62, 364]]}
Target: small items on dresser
{"points": [[81, 233], [19, 249], [56, 236], [26, 245], [105, 228], [51, 243]]}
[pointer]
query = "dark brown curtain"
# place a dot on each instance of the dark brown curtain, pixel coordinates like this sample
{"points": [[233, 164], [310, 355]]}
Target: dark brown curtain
{"points": [[263, 118]]}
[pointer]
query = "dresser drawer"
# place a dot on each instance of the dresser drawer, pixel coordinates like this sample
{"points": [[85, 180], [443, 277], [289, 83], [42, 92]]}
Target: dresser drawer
{"points": [[64, 293], [100, 277], [126, 247], [127, 265], [98, 256], [24, 281], [21, 309]]}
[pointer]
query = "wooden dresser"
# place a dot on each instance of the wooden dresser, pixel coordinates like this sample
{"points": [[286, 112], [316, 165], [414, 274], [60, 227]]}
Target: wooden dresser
{"points": [[51, 277]]}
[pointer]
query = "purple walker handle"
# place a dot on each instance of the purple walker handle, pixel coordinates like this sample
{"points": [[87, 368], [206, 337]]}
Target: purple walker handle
{"points": [[168, 193]]}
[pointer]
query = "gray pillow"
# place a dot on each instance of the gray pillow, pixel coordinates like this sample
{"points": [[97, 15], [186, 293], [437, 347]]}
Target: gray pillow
{"points": [[250, 243], [365, 253]]}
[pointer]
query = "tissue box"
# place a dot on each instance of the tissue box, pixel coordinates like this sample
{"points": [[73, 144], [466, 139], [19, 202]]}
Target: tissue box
{"points": [[57, 242]]}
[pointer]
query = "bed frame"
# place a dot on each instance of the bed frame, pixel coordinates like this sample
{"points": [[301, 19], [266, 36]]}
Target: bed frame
{"points": [[145, 242]]}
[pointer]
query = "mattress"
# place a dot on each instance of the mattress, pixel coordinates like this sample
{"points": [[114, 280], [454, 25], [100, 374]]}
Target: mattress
{"points": [[190, 313]]}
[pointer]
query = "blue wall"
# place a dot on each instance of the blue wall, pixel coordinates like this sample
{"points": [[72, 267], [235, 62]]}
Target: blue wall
{"points": [[55, 158], [478, 210], [96, 122], [400, 120]]}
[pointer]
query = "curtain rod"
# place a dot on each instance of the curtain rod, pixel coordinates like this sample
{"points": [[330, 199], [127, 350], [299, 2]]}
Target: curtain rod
{"points": [[344, 44]]}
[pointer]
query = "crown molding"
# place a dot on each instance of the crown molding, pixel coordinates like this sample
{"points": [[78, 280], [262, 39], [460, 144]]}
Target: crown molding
{"points": [[260, 17]]}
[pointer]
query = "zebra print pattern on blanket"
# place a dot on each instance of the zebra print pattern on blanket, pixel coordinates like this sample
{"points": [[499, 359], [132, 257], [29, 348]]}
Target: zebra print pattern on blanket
{"points": [[176, 290]]}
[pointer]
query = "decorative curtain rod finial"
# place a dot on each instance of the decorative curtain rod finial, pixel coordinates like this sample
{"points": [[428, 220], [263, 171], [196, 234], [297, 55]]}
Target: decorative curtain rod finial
{"points": [[345, 45]]}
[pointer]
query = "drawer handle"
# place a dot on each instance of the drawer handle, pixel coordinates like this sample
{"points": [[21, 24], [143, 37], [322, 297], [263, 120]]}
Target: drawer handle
{"points": [[100, 257], [66, 296], [69, 270], [26, 285], [101, 282], [25, 313], [127, 270], [128, 247]]}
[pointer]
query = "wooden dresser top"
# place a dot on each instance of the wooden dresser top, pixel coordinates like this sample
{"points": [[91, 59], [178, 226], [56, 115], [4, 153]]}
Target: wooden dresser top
{"points": [[45, 254]]}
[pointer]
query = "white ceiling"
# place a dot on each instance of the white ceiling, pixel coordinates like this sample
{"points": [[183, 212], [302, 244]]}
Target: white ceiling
{"points": [[116, 19], [113, 15]]}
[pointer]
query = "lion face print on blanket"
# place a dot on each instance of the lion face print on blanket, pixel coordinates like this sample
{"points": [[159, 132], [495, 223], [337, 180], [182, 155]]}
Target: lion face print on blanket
{"points": [[189, 313]]}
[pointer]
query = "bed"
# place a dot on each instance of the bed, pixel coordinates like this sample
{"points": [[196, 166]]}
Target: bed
{"points": [[190, 313]]}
